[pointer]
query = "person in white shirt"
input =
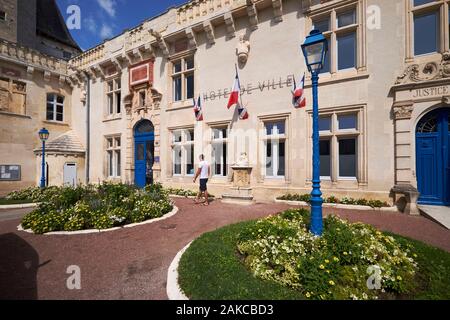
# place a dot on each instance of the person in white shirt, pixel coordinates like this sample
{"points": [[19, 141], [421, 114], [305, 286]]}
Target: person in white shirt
{"points": [[203, 171]]}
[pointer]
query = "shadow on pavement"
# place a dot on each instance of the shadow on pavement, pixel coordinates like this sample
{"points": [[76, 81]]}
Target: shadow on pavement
{"points": [[19, 263]]}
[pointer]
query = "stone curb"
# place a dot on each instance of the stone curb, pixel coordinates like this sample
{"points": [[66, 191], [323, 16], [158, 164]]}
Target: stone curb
{"points": [[173, 289], [92, 231], [176, 196], [18, 206], [340, 206]]}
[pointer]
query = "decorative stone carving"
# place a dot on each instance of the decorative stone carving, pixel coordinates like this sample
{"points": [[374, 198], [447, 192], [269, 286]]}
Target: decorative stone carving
{"points": [[403, 112], [160, 41], [242, 161], [252, 14], [446, 100], [426, 72], [277, 6], [229, 22], [243, 49], [191, 38], [209, 30], [12, 96]]}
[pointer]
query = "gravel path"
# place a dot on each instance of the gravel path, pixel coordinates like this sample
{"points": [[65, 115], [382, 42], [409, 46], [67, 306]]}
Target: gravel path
{"points": [[132, 263]]}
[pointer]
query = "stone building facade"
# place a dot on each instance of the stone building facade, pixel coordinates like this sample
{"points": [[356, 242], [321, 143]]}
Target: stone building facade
{"points": [[32, 75], [383, 92]]}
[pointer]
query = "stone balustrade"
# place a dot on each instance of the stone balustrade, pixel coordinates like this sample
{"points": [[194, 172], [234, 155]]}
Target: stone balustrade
{"points": [[88, 58], [195, 9], [32, 58]]}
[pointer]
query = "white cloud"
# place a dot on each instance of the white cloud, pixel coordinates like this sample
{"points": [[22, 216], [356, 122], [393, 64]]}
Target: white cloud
{"points": [[90, 24], [106, 32], [109, 6]]}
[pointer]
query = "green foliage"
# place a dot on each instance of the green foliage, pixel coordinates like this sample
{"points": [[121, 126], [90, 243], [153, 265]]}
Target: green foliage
{"points": [[93, 207], [211, 269], [333, 199], [281, 249], [184, 192]]}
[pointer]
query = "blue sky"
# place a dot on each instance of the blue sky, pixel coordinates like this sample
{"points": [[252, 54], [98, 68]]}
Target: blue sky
{"points": [[101, 19]]}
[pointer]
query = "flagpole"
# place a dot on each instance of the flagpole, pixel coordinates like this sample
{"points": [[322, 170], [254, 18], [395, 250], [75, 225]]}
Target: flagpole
{"points": [[239, 81]]}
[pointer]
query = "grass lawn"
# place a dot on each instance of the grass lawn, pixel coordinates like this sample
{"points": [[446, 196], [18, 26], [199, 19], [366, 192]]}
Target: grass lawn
{"points": [[211, 269], [10, 202]]}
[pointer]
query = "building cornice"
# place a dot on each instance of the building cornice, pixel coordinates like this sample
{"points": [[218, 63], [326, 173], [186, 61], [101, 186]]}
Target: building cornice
{"points": [[33, 60]]}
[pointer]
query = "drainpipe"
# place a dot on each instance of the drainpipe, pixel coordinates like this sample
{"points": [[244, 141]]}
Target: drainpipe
{"points": [[88, 126]]}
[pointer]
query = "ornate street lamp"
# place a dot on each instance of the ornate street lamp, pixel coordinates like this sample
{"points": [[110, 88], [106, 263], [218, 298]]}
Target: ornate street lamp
{"points": [[43, 135], [315, 49]]}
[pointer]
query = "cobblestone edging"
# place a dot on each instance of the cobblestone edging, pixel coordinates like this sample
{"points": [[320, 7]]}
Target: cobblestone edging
{"points": [[340, 206], [91, 231], [18, 206], [173, 289]]}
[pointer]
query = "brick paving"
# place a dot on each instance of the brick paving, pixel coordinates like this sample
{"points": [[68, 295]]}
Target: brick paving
{"points": [[132, 263]]}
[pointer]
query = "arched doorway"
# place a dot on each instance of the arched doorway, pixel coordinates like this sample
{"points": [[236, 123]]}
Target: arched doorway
{"points": [[144, 150], [433, 157]]}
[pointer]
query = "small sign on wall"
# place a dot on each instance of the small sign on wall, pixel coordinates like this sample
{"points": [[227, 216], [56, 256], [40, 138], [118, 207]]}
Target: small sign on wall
{"points": [[10, 173], [141, 73]]}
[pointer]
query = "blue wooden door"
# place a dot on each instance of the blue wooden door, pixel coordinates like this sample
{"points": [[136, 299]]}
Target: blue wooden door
{"points": [[140, 164], [432, 158], [143, 153]]}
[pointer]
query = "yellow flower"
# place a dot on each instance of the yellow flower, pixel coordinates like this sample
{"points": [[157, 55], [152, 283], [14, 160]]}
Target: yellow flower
{"points": [[415, 255], [399, 278], [335, 259], [322, 266], [345, 253], [331, 282], [328, 271], [308, 295], [327, 261]]}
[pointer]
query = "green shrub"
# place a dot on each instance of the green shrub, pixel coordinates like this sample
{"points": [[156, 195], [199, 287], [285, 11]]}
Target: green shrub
{"points": [[93, 207], [281, 249], [332, 199]]}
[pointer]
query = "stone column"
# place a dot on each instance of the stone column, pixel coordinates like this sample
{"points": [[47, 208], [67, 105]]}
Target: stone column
{"points": [[403, 143]]}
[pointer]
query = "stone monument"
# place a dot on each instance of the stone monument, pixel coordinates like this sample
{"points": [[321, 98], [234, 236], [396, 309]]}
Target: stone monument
{"points": [[240, 192]]}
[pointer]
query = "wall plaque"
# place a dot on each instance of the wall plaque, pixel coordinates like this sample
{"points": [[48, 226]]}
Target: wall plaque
{"points": [[10, 173]]}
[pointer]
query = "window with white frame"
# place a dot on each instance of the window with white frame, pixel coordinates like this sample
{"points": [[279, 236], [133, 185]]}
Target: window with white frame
{"points": [[219, 143], [55, 107], [183, 152], [183, 79], [113, 154], [275, 148], [430, 20], [339, 139], [340, 26], [113, 97]]}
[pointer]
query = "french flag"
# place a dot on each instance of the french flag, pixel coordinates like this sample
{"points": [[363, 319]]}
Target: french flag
{"points": [[298, 94], [243, 114], [235, 98], [235, 93], [198, 109]]}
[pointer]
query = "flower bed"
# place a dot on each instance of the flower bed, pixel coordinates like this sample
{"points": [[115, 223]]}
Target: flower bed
{"points": [[332, 199], [291, 264], [335, 266], [93, 207], [184, 192]]}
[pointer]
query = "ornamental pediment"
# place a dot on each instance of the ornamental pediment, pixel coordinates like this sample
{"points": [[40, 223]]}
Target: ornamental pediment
{"points": [[428, 71]]}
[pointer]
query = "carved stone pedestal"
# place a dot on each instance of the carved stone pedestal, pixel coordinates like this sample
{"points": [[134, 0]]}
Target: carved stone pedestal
{"points": [[241, 192]]}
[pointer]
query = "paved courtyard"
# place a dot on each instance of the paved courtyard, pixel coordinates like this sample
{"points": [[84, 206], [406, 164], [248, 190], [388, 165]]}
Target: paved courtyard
{"points": [[132, 263]]}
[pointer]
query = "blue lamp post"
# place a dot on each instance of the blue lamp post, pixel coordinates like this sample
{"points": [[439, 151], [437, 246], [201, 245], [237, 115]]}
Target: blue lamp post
{"points": [[315, 49], [43, 135]]}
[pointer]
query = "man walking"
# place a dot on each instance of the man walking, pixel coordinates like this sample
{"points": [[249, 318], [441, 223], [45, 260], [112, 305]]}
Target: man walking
{"points": [[203, 172]]}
